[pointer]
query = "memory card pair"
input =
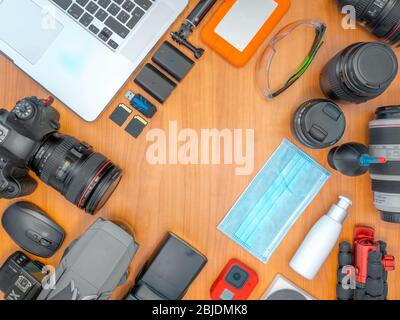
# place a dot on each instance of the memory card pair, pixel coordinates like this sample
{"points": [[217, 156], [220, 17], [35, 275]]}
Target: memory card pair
{"points": [[135, 126]]}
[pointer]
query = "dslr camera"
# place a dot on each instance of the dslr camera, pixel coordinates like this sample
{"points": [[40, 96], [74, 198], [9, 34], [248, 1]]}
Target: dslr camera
{"points": [[29, 140]]}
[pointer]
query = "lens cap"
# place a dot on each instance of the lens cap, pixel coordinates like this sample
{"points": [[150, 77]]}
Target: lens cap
{"points": [[319, 123], [372, 68]]}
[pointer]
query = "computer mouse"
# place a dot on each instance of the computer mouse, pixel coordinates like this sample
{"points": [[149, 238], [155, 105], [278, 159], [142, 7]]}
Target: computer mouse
{"points": [[31, 229]]}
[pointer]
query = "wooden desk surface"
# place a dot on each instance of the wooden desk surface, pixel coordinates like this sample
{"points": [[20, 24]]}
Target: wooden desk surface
{"points": [[191, 200]]}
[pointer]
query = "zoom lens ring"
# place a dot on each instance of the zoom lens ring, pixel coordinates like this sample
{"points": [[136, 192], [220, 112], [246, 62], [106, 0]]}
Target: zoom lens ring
{"points": [[56, 156], [388, 112], [391, 22], [393, 38], [336, 86], [388, 21], [80, 181], [381, 16], [360, 8], [329, 81], [113, 174], [333, 78], [391, 217]]}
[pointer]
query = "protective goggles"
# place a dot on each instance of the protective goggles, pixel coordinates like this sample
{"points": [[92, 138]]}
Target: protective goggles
{"points": [[264, 64]]}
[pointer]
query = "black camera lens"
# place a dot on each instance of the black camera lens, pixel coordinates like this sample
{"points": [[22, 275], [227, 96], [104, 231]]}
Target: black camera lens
{"points": [[380, 17], [384, 135], [361, 72], [237, 277], [86, 178], [318, 123]]}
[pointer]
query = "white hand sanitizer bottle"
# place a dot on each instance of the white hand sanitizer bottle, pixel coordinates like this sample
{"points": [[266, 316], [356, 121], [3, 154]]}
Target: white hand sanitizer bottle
{"points": [[320, 241]]}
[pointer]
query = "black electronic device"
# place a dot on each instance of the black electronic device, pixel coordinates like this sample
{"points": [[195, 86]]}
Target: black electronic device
{"points": [[155, 83], [195, 17], [32, 229], [29, 139], [170, 59], [168, 275], [21, 278]]}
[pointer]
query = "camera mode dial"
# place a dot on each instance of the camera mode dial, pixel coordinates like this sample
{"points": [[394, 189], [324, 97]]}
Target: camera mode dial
{"points": [[24, 110]]}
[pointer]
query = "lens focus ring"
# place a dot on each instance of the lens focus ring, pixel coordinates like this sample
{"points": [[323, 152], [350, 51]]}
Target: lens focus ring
{"points": [[55, 158], [390, 22], [81, 181], [360, 8]]}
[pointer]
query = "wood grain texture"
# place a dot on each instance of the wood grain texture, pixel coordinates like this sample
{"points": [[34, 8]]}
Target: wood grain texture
{"points": [[191, 200]]}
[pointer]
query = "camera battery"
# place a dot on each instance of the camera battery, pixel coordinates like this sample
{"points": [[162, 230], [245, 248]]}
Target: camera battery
{"points": [[155, 83], [173, 61]]}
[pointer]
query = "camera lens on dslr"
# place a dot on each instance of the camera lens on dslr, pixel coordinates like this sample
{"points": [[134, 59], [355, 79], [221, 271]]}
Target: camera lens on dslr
{"points": [[380, 17], [384, 135], [86, 178], [361, 72]]}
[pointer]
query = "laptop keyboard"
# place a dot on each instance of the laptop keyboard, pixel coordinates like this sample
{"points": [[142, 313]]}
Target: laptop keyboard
{"points": [[110, 21]]}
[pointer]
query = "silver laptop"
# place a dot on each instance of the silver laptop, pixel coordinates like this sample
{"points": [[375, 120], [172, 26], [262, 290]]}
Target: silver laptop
{"points": [[83, 51]]}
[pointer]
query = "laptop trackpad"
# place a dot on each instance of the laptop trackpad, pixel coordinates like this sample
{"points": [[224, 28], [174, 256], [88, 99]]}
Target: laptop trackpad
{"points": [[27, 28]]}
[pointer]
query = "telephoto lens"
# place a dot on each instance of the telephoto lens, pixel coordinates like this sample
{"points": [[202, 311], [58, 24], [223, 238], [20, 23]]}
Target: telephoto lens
{"points": [[360, 72], [380, 17], [86, 178], [384, 135]]}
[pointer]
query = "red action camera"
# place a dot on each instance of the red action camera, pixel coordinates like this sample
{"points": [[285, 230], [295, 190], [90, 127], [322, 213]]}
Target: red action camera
{"points": [[236, 282]]}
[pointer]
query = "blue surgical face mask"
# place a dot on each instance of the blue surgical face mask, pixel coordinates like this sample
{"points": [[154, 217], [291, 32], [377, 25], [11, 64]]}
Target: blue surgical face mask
{"points": [[274, 200]]}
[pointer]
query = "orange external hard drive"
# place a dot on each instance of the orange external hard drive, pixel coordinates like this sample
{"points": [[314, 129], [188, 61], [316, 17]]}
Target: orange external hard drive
{"points": [[239, 27]]}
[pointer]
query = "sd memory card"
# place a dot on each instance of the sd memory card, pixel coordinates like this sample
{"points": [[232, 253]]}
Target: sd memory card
{"points": [[120, 114], [136, 126]]}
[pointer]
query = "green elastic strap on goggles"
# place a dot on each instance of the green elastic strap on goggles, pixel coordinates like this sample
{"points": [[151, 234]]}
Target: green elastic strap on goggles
{"points": [[264, 65]]}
